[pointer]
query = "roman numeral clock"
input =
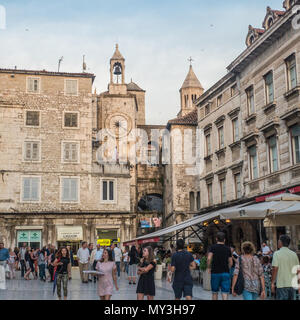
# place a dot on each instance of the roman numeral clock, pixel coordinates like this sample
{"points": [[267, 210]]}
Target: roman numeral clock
{"points": [[118, 125]]}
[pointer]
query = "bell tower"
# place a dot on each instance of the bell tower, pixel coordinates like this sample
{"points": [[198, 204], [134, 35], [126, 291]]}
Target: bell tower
{"points": [[189, 92], [117, 73]]}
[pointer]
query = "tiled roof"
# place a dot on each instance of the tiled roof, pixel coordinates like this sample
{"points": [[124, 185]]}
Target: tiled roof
{"points": [[189, 119], [47, 73], [133, 87], [191, 80]]}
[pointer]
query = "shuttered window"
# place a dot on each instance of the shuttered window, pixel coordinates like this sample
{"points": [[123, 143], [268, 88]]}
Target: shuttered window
{"points": [[70, 151], [33, 85], [71, 87], [31, 189], [32, 151], [70, 189]]}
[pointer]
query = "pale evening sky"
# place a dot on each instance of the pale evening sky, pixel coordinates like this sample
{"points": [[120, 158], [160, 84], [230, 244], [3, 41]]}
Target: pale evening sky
{"points": [[155, 37]]}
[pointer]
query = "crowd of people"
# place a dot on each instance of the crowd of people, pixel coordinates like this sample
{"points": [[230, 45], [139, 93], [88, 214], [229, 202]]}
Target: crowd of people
{"points": [[248, 274]]}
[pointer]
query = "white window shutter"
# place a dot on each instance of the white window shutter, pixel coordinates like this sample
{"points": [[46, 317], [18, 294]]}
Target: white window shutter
{"points": [[34, 189], [65, 189], [74, 152], [27, 150], [26, 189], [74, 188], [30, 85]]}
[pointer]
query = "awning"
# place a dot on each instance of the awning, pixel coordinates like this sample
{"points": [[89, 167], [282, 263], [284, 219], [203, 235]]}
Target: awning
{"points": [[155, 236], [256, 211]]}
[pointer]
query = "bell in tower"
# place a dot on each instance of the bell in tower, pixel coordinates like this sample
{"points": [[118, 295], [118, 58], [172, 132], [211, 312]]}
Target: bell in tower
{"points": [[117, 71]]}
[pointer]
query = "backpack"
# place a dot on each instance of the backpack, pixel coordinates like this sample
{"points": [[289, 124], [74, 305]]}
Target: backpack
{"points": [[239, 286]]}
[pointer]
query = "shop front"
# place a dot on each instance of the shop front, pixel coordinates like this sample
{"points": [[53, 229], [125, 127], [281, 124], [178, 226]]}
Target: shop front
{"points": [[107, 237], [70, 236]]}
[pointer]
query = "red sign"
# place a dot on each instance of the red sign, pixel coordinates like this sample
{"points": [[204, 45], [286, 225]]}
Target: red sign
{"points": [[135, 242], [263, 198]]}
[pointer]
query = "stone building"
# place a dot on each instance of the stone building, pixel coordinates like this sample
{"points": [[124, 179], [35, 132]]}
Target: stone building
{"points": [[53, 188], [250, 123], [181, 188]]}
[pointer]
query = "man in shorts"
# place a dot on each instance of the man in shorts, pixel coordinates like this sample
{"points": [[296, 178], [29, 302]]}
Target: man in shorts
{"points": [[182, 262], [219, 263]]}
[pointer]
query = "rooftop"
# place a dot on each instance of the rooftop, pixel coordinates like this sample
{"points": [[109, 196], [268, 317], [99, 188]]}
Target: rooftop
{"points": [[189, 119]]}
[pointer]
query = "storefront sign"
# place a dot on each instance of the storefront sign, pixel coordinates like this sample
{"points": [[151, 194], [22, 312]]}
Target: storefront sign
{"points": [[29, 236], [69, 234], [104, 242]]}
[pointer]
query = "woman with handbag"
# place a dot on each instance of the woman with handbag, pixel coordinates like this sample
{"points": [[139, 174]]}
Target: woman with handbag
{"points": [[248, 276]]}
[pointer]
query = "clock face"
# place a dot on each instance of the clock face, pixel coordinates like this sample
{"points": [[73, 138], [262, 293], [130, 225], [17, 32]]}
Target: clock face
{"points": [[118, 125]]}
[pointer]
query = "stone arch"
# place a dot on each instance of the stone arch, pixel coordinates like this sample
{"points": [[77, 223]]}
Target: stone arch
{"points": [[150, 201]]}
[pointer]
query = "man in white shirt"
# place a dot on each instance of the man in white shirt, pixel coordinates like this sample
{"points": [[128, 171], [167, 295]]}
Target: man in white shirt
{"points": [[118, 256], [266, 251], [83, 257]]}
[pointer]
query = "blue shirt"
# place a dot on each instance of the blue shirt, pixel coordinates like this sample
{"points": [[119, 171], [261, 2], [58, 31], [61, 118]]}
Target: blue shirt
{"points": [[98, 254], [4, 254]]}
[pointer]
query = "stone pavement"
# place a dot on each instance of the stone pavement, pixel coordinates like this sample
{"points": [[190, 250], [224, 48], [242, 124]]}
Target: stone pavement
{"points": [[20, 289]]}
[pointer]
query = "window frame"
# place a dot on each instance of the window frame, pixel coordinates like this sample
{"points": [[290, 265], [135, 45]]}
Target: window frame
{"points": [[267, 87], [249, 90], [221, 129], [39, 84], [62, 178], [288, 60], [78, 120], [235, 185], [270, 155], [63, 161], [39, 178], [65, 88], [25, 118], [222, 193], [293, 147], [114, 201], [233, 121], [39, 151], [210, 198], [252, 164], [208, 138]]}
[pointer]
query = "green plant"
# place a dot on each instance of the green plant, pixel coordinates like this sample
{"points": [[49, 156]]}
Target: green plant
{"points": [[203, 264]]}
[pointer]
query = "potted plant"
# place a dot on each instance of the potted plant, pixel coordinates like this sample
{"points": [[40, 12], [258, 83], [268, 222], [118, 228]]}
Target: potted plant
{"points": [[205, 274]]}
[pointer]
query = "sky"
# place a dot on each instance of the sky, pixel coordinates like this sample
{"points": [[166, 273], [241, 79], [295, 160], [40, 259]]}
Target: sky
{"points": [[155, 37]]}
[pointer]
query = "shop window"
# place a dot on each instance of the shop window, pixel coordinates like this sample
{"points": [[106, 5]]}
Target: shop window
{"points": [[32, 238]]}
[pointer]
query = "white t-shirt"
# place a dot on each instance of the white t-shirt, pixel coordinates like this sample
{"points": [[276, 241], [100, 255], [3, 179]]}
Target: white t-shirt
{"points": [[125, 257], [118, 254], [83, 255]]}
